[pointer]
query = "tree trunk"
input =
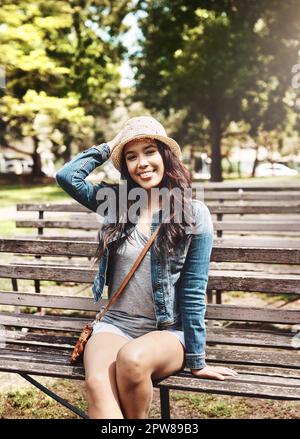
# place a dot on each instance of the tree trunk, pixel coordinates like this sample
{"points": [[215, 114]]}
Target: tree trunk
{"points": [[216, 137], [37, 163], [255, 161], [192, 161]]}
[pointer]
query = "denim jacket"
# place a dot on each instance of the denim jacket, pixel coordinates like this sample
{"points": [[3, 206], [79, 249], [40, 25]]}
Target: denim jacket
{"points": [[179, 281]]}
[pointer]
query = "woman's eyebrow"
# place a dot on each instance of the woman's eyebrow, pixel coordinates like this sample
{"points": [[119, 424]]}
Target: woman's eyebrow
{"points": [[147, 146]]}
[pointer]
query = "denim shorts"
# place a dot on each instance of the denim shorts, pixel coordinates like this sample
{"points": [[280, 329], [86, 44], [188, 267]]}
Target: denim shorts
{"points": [[108, 327]]}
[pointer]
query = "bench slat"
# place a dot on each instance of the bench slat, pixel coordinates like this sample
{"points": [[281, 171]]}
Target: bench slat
{"points": [[229, 356], [258, 241], [224, 280], [218, 336], [213, 312], [253, 356], [231, 386], [239, 386], [55, 323], [286, 226], [220, 252], [249, 281], [247, 209]]}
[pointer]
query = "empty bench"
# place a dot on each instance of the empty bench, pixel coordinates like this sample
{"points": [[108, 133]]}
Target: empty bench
{"points": [[259, 343], [75, 221]]}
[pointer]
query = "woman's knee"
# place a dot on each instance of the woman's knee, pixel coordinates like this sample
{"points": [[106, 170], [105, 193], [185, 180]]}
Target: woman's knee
{"points": [[131, 364]]}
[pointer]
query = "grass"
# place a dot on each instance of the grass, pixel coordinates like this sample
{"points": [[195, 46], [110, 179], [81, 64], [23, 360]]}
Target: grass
{"points": [[29, 403], [13, 194], [7, 228]]}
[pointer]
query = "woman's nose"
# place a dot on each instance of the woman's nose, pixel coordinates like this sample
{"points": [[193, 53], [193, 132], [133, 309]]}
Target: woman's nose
{"points": [[142, 161]]}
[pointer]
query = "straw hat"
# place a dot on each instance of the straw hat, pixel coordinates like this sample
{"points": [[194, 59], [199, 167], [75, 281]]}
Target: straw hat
{"points": [[139, 128]]}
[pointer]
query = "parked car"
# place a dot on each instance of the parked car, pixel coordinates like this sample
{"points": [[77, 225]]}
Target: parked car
{"points": [[274, 169], [16, 166]]}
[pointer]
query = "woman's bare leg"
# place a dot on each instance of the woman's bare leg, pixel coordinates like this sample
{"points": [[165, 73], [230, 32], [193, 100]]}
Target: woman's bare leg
{"points": [[100, 375], [154, 355]]}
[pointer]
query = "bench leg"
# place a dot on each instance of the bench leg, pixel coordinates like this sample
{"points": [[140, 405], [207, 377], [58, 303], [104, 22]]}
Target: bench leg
{"points": [[53, 395], [165, 403], [218, 297]]}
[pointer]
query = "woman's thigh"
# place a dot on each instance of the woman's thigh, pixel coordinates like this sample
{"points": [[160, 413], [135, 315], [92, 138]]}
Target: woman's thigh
{"points": [[100, 353], [159, 352]]}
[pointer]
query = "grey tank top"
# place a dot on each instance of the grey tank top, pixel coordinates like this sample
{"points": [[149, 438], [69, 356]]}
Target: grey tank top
{"points": [[133, 311]]}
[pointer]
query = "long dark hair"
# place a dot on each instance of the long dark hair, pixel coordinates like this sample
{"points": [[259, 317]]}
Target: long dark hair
{"points": [[176, 175]]}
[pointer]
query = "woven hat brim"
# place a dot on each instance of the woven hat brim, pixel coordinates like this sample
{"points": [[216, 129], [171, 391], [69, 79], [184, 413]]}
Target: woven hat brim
{"points": [[117, 151]]}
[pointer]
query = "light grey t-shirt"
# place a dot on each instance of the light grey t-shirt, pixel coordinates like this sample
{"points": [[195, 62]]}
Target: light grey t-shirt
{"points": [[133, 311]]}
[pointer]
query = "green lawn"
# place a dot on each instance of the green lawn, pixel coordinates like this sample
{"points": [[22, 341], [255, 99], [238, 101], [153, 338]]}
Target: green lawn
{"points": [[13, 194]]}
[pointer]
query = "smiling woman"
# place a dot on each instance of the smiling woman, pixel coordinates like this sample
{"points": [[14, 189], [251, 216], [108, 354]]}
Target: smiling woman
{"points": [[156, 326]]}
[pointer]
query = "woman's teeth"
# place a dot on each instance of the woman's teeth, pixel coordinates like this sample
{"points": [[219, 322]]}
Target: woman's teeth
{"points": [[146, 174]]}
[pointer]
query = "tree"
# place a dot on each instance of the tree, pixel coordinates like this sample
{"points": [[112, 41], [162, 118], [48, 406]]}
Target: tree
{"points": [[62, 62], [211, 56]]}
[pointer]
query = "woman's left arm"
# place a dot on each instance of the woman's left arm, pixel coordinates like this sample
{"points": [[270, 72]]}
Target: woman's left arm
{"points": [[192, 286], [192, 296]]}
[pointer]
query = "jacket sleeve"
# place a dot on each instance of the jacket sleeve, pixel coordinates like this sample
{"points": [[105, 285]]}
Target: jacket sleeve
{"points": [[71, 177], [192, 289]]}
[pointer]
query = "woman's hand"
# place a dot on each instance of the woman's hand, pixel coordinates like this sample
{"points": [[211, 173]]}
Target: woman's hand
{"points": [[214, 372], [115, 141]]}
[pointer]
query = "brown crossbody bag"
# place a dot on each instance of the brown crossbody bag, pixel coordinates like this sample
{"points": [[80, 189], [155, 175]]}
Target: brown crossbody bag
{"points": [[88, 329]]}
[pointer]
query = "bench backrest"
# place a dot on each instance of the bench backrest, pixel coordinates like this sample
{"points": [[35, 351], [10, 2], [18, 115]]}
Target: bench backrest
{"points": [[247, 218]]}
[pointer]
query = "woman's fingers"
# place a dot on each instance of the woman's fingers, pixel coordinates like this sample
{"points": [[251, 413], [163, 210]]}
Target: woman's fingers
{"points": [[214, 372], [226, 371]]}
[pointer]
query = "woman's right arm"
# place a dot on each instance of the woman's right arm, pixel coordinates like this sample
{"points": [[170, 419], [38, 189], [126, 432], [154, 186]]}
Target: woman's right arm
{"points": [[72, 176]]}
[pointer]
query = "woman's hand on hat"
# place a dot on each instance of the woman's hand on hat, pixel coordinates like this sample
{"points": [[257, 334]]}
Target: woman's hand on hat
{"points": [[115, 141], [214, 372]]}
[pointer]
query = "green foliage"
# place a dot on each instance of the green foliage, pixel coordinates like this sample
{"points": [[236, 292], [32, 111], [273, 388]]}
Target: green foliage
{"points": [[224, 61], [62, 63]]}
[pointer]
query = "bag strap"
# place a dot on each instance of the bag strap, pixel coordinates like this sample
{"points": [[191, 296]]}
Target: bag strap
{"points": [[130, 274]]}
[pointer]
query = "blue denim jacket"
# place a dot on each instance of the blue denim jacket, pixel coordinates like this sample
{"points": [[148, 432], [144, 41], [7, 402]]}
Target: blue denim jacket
{"points": [[179, 281]]}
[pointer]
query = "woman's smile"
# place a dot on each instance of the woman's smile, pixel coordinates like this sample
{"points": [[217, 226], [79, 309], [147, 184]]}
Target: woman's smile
{"points": [[146, 175]]}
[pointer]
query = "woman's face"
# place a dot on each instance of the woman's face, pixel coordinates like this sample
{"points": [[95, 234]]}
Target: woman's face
{"points": [[144, 162]]}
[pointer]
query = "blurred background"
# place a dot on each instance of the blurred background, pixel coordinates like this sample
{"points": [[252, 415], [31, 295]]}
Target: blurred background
{"points": [[222, 76]]}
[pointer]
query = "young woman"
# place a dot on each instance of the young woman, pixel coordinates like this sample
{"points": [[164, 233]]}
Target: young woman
{"points": [[156, 326]]}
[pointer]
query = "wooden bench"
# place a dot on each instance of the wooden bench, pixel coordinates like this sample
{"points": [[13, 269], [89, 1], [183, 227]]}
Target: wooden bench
{"points": [[277, 218], [254, 232], [260, 343]]}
